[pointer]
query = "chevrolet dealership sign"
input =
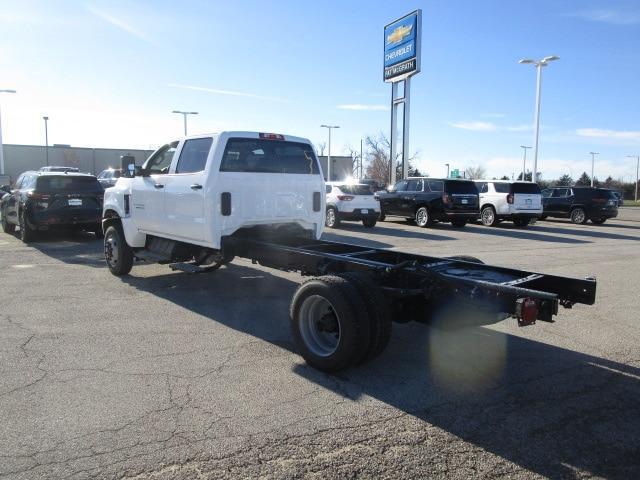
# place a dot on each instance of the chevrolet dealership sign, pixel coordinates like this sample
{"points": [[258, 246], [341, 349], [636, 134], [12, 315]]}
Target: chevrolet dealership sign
{"points": [[402, 47]]}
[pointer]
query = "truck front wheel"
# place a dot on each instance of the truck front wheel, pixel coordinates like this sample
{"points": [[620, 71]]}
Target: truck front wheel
{"points": [[329, 323], [117, 254]]}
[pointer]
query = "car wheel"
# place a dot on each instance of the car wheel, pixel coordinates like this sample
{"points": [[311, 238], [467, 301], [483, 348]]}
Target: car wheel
{"points": [[6, 226], [369, 223], [117, 253], [488, 216], [598, 221], [578, 216], [423, 219], [458, 223], [26, 233], [331, 218], [329, 323], [382, 217], [521, 222]]}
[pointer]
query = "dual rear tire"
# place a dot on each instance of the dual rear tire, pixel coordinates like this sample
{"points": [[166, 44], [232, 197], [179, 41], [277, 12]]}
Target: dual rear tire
{"points": [[338, 321]]}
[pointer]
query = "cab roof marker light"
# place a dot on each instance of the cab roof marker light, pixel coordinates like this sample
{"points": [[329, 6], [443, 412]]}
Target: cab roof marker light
{"points": [[272, 136]]}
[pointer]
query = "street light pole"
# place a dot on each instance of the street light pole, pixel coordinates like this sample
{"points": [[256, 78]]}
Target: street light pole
{"points": [[46, 139], [637, 157], [539, 65], [1, 147], [184, 115], [593, 161], [524, 162], [329, 127], [447, 169]]}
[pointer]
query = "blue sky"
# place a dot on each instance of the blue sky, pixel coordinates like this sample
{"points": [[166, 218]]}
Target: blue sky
{"points": [[108, 74]]}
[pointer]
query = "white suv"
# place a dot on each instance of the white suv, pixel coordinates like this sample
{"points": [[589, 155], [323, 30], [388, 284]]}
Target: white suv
{"points": [[351, 201], [500, 200]]}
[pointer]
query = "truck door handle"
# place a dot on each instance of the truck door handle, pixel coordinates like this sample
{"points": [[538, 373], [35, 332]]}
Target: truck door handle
{"points": [[196, 186], [158, 185]]}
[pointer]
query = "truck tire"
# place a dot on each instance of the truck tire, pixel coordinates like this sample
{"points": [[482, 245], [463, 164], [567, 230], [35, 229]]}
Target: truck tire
{"points": [[331, 218], [488, 216], [378, 310], [578, 216], [369, 223], [423, 218], [117, 253], [27, 234], [6, 226], [329, 323]]}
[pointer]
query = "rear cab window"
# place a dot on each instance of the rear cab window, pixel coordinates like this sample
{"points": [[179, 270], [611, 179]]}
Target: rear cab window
{"points": [[269, 156], [524, 187]]}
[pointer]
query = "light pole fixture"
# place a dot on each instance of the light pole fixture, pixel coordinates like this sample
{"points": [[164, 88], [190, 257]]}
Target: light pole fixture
{"points": [[637, 157], [329, 127], [539, 64], [184, 115], [593, 161], [447, 169], [6, 90], [46, 139], [524, 162]]}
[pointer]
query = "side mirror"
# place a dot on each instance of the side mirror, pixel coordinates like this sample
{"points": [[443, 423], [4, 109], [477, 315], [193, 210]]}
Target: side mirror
{"points": [[128, 164]]}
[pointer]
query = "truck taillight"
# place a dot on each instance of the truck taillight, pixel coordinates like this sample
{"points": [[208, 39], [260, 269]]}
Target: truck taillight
{"points": [[272, 136], [510, 198], [526, 311], [346, 198], [446, 198], [37, 196]]}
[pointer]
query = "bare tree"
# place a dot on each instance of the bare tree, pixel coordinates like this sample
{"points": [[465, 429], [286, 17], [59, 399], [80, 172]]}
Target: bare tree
{"points": [[320, 147], [355, 161], [475, 173], [378, 153]]}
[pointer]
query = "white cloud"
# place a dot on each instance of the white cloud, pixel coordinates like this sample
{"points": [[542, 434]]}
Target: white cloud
{"points": [[475, 126], [218, 91], [119, 23], [360, 106], [624, 135], [614, 17]]}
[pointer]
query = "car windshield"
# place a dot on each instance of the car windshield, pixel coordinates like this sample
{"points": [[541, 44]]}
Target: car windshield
{"points": [[461, 187], [356, 189], [65, 183]]}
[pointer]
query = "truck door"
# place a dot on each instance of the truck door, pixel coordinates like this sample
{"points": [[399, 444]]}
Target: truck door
{"points": [[408, 197], [147, 191], [184, 192]]}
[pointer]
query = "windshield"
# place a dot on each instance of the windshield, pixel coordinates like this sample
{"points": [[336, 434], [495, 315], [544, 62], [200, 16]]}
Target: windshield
{"points": [[268, 156], [65, 183]]}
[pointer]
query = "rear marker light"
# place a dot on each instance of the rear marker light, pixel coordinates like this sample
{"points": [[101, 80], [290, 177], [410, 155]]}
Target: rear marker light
{"points": [[271, 136], [526, 311], [510, 199]]}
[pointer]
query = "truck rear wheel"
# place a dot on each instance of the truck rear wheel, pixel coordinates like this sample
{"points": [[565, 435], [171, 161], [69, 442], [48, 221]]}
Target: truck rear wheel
{"points": [[378, 312], [329, 323], [117, 254], [423, 218], [488, 216], [578, 216]]}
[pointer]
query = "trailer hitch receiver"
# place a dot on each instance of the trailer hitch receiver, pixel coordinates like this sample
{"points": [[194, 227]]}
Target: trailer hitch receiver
{"points": [[526, 311]]}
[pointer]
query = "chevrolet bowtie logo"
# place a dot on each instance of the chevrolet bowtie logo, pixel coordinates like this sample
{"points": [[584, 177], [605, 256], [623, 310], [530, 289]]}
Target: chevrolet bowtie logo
{"points": [[398, 34]]}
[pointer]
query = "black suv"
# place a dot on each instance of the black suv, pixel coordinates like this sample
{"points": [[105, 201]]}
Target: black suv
{"points": [[427, 200], [47, 200], [579, 204]]}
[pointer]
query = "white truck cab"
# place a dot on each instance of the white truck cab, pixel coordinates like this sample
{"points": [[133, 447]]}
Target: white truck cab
{"points": [[195, 191], [519, 202]]}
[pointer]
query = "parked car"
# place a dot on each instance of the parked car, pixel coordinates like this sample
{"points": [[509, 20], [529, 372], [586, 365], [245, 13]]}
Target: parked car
{"points": [[351, 201], [428, 200], [43, 201], [519, 202], [580, 204], [109, 177], [54, 168]]}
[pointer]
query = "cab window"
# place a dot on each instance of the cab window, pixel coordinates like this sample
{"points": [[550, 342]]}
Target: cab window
{"points": [[160, 162], [401, 186], [193, 157], [412, 185], [560, 192]]}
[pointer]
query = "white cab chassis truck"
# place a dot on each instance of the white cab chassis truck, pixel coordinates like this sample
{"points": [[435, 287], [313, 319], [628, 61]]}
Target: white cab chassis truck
{"points": [[199, 202]]}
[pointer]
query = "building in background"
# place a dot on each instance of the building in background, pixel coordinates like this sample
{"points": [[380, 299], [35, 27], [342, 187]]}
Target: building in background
{"points": [[20, 158]]}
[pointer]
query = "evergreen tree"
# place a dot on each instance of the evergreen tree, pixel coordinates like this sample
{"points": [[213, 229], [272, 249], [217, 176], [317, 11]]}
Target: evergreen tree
{"points": [[564, 181], [584, 180]]}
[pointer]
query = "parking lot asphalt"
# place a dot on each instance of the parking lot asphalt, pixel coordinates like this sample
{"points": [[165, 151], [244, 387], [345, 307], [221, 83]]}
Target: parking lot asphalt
{"points": [[162, 375]]}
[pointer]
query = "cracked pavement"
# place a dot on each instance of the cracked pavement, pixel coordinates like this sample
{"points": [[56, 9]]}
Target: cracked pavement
{"points": [[162, 375]]}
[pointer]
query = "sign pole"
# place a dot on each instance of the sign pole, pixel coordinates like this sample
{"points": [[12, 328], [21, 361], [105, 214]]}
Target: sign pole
{"points": [[405, 128], [394, 132]]}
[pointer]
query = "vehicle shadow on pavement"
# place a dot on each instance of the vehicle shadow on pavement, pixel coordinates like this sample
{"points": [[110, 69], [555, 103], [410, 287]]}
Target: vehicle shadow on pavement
{"points": [[80, 248], [603, 226], [547, 409], [519, 233], [420, 234]]}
